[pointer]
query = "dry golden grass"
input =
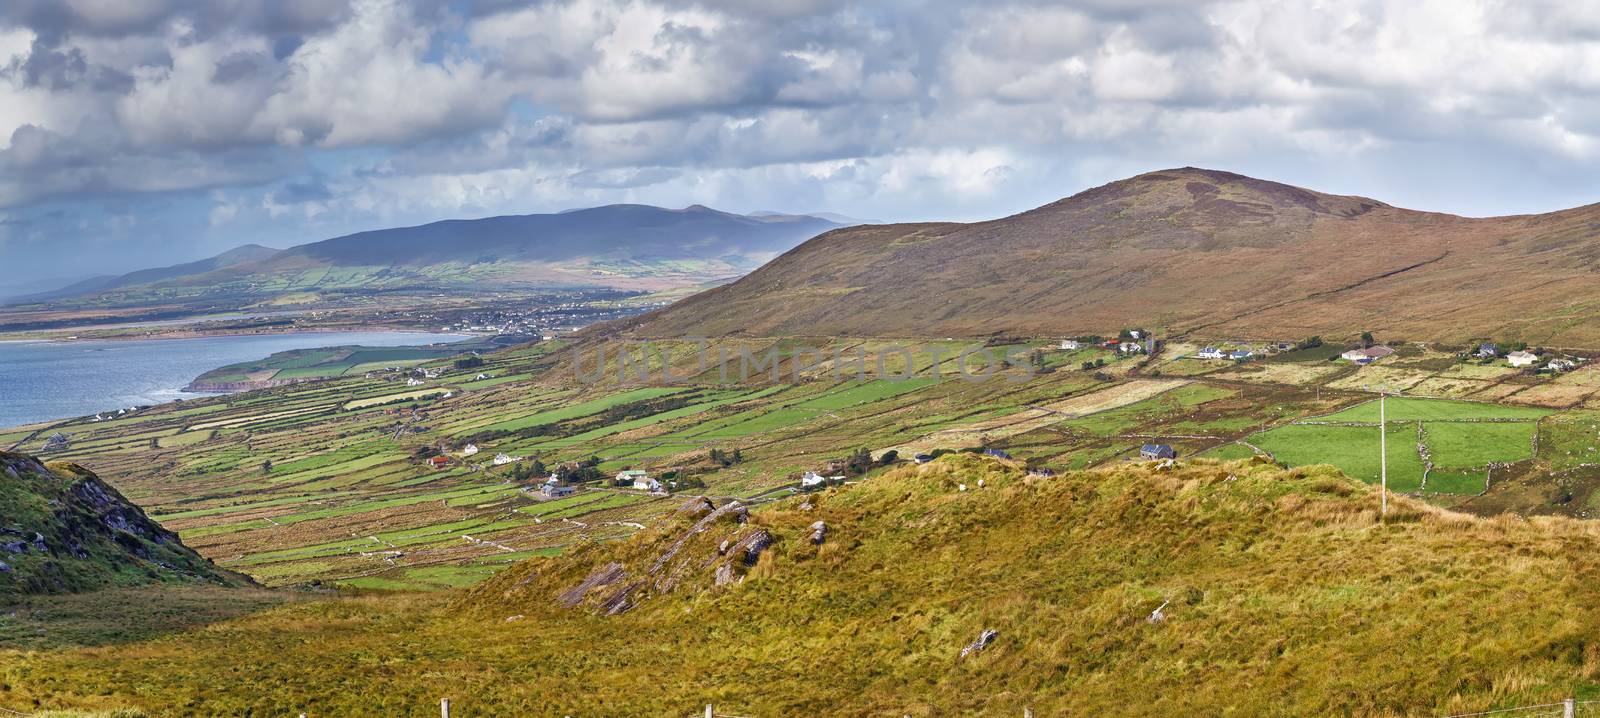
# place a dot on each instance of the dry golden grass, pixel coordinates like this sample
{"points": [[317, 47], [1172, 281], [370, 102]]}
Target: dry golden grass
{"points": [[1284, 594]]}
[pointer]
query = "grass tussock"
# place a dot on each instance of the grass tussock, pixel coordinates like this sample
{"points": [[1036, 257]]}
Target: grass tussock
{"points": [[1284, 594]]}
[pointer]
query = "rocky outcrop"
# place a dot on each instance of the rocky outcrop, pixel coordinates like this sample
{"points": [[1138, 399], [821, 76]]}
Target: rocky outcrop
{"points": [[63, 530], [702, 545]]}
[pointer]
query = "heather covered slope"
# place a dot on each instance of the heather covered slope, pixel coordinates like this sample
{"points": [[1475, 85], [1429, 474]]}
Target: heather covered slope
{"points": [[1283, 595], [64, 530], [1187, 250]]}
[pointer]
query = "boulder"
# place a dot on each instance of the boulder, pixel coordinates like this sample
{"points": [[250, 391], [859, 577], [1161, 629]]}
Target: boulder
{"points": [[819, 531]]}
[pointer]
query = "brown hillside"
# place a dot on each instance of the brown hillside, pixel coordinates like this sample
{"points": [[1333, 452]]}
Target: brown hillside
{"points": [[1188, 250]]}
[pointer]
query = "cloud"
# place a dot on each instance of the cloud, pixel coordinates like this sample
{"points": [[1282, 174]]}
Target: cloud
{"points": [[282, 119]]}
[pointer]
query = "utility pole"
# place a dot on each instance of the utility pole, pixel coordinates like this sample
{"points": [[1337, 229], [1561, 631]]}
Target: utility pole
{"points": [[1383, 461]]}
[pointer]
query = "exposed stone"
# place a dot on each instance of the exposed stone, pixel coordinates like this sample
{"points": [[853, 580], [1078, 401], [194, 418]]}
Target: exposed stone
{"points": [[984, 639], [599, 578], [749, 548], [621, 600], [5, 567], [696, 507], [724, 574], [819, 531]]}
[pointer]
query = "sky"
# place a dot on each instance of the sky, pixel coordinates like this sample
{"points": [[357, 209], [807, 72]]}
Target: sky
{"points": [[135, 133]]}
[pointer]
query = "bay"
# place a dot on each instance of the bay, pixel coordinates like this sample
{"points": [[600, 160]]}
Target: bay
{"points": [[40, 381]]}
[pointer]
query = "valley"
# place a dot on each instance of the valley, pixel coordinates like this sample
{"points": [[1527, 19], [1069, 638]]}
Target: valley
{"points": [[349, 497]]}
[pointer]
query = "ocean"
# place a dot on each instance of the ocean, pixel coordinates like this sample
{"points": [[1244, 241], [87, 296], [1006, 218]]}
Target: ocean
{"points": [[40, 381]]}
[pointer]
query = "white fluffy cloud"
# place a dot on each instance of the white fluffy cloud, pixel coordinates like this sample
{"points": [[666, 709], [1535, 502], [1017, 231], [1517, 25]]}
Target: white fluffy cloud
{"points": [[400, 111]]}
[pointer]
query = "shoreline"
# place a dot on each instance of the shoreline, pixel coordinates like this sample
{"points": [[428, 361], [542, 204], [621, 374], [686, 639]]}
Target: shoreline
{"points": [[185, 388], [173, 336]]}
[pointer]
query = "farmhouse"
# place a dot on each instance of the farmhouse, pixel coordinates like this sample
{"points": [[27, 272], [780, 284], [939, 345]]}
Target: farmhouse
{"points": [[503, 459], [1157, 451], [469, 449], [811, 480], [922, 458], [996, 453], [638, 479], [1488, 350], [439, 462], [1130, 348], [413, 381], [1562, 365], [552, 488], [1212, 353], [1367, 355], [1522, 358], [1240, 354], [1071, 345]]}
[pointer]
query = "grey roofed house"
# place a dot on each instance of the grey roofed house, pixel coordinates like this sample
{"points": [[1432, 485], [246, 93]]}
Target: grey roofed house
{"points": [[922, 458], [1488, 349], [1157, 451], [1241, 354], [996, 453]]}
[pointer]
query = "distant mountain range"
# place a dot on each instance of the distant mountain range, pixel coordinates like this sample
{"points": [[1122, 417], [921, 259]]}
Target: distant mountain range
{"points": [[1188, 251], [620, 246]]}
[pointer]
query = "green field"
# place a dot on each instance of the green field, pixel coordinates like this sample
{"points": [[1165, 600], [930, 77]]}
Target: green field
{"points": [[1354, 449], [1413, 409]]}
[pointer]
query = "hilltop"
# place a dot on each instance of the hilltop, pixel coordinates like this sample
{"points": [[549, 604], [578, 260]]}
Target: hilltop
{"points": [[64, 530], [1204, 588], [615, 246], [1192, 251]]}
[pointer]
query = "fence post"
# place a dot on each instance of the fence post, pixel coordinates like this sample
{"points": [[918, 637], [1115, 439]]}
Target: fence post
{"points": [[444, 708], [1569, 708], [709, 713]]}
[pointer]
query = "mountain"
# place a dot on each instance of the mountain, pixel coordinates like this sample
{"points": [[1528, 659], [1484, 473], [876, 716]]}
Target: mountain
{"points": [[95, 285], [621, 246], [1189, 251], [63, 530]]}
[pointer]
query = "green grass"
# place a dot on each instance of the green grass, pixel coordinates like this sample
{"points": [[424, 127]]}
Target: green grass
{"points": [[1456, 481], [1411, 409], [586, 408], [1464, 445], [1354, 449]]}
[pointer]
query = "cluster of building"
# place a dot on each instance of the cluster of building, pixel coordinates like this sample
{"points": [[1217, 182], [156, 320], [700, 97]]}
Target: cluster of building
{"points": [[1227, 354]]}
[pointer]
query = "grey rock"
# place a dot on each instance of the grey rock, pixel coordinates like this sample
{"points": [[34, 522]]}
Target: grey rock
{"points": [[984, 639], [819, 531], [599, 578]]}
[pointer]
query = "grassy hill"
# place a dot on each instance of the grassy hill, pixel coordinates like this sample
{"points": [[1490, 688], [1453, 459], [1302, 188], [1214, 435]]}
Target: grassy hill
{"points": [[64, 530], [1187, 250], [1279, 593]]}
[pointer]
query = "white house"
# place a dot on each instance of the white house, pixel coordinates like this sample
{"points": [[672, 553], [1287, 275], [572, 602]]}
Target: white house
{"points": [[1522, 358], [1562, 365], [638, 479], [813, 480], [1071, 345], [469, 449], [1212, 353], [413, 381], [480, 377], [503, 459], [1240, 354], [1129, 348]]}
